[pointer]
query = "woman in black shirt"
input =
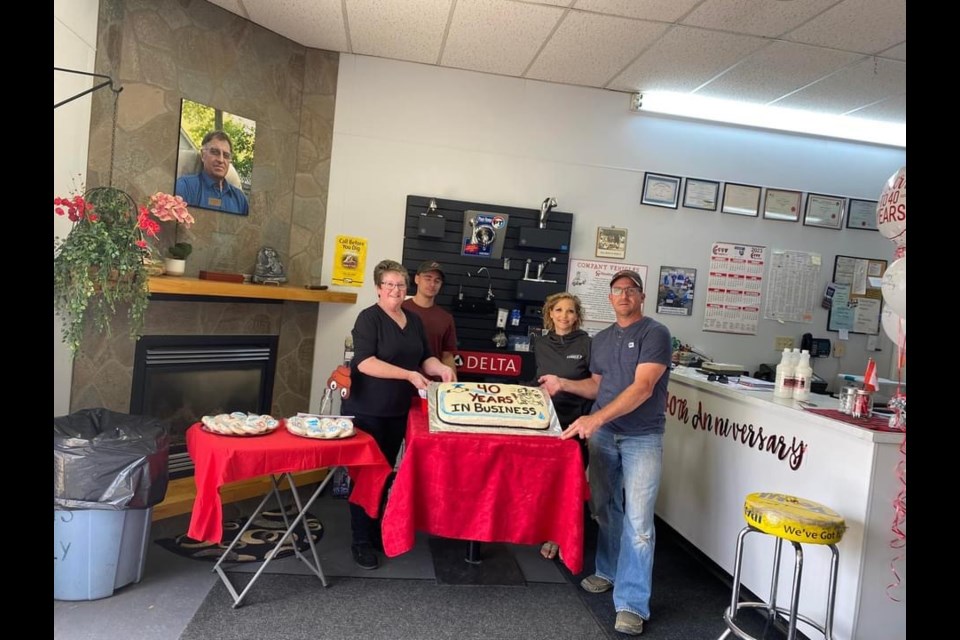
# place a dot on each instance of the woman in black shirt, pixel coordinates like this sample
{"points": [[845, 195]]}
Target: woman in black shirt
{"points": [[391, 359], [564, 352]]}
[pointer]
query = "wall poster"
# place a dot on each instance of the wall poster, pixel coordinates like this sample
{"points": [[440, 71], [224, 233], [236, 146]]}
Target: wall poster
{"points": [[733, 288], [794, 286], [589, 280], [349, 260], [675, 291], [483, 234]]}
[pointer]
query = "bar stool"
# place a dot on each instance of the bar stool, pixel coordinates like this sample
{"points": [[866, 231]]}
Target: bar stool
{"points": [[799, 521]]}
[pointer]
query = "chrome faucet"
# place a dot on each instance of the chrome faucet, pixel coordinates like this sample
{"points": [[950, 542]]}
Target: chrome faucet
{"points": [[543, 265], [490, 295], [545, 207]]}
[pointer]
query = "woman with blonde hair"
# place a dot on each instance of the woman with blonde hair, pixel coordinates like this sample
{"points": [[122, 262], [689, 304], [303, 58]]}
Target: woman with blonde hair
{"points": [[564, 351]]}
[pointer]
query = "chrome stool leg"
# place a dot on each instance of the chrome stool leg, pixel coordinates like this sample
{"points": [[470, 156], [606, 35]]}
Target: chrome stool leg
{"points": [[792, 613]]}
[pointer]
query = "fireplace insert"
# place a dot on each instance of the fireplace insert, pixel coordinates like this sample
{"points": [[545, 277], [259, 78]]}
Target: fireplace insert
{"points": [[180, 379]]}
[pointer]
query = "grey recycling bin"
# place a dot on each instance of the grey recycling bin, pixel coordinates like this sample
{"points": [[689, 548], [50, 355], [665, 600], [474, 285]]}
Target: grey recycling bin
{"points": [[109, 469]]}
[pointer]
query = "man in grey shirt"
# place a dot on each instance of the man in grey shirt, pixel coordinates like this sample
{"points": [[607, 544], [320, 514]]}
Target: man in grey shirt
{"points": [[629, 366]]}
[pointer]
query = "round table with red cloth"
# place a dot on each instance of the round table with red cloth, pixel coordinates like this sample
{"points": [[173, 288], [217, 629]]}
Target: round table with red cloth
{"points": [[487, 488]]}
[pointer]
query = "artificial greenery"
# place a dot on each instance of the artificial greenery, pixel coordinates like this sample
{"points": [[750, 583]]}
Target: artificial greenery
{"points": [[99, 266], [180, 251]]}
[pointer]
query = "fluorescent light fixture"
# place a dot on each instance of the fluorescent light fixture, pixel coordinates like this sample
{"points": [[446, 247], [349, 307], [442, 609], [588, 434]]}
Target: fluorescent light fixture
{"points": [[763, 116]]}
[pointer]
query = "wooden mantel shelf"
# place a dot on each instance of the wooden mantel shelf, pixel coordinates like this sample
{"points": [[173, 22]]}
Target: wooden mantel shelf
{"points": [[178, 285]]}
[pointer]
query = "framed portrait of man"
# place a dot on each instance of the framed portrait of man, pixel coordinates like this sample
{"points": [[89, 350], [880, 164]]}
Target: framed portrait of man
{"points": [[215, 158]]}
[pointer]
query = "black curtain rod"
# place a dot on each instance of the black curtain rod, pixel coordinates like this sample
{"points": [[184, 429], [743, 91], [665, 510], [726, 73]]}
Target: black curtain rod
{"points": [[109, 81]]}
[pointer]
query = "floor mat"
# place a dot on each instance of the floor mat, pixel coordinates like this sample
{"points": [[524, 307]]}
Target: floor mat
{"points": [[257, 541], [497, 565]]}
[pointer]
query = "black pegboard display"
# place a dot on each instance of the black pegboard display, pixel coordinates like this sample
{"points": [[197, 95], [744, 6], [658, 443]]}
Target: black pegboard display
{"points": [[476, 317]]}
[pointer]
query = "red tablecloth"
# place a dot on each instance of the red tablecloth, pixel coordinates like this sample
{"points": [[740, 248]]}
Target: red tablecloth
{"points": [[488, 488], [222, 459]]}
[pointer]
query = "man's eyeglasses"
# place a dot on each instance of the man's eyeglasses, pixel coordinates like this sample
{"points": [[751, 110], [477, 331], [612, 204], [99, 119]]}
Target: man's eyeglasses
{"points": [[630, 291], [217, 153], [390, 286]]}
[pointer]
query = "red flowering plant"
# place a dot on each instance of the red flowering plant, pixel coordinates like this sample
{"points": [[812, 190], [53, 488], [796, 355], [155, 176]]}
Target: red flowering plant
{"points": [[98, 268], [164, 207]]}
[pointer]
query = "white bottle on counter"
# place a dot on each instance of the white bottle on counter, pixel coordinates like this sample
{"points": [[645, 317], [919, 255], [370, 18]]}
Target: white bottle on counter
{"points": [[783, 387], [802, 375]]}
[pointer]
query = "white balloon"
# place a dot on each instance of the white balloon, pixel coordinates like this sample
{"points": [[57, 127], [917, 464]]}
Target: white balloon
{"points": [[893, 325], [894, 286], [892, 207]]}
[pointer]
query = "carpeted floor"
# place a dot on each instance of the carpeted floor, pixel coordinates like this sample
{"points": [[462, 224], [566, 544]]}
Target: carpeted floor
{"points": [[299, 608], [407, 597]]}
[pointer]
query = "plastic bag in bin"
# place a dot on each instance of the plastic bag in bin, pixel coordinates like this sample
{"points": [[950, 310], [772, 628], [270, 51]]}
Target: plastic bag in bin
{"points": [[108, 460]]}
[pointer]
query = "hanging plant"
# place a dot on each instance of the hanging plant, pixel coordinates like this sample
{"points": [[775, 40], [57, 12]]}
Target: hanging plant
{"points": [[99, 265]]}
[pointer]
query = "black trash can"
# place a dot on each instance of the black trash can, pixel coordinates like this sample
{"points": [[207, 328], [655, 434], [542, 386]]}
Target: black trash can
{"points": [[109, 469]]}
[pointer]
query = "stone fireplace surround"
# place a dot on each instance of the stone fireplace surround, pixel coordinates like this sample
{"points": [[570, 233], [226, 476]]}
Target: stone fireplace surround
{"points": [[103, 372]]}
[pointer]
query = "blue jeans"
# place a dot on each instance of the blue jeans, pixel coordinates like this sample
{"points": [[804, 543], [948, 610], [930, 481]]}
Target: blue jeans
{"points": [[624, 481]]}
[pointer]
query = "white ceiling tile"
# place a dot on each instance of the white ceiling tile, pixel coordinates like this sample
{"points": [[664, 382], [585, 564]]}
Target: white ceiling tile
{"points": [[862, 84], [665, 10], [409, 30], [684, 59], [555, 3], [890, 110], [777, 70], [898, 52], [312, 23], [756, 17], [589, 49], [880, 25], [497, 36]]}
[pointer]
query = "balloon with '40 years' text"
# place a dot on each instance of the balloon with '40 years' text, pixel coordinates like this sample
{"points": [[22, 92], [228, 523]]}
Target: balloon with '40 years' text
{"points": [[892, 208]]}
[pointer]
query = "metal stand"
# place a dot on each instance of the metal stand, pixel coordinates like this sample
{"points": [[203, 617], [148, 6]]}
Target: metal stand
{"points": [[301, 513], [473, 553]]}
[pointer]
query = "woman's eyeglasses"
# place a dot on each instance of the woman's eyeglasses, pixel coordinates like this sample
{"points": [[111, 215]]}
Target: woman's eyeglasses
{"points": [[390, 286]]}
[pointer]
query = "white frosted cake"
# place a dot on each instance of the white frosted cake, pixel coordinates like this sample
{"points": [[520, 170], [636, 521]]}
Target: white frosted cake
{"points": [[482, 404]]}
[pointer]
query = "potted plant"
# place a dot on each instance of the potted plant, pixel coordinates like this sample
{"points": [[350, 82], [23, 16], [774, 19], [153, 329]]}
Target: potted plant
{"points": [[99, 266], [164, 207]]}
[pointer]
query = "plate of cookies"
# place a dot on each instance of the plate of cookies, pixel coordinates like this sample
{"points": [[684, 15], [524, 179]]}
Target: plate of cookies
{"points": [[322, 427], [239, 423]]}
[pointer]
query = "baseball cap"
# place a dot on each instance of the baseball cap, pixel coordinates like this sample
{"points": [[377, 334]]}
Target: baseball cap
{"points": [[431, 265], [627, 273]]}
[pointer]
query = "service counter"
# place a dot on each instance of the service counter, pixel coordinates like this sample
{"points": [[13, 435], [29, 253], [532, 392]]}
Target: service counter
{"points": [[723, 442]]}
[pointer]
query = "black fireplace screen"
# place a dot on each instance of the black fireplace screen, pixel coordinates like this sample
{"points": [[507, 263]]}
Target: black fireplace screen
{"points": [[183, 378]]}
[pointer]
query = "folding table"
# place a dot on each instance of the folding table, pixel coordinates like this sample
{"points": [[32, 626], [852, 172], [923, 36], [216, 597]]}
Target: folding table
{"points": [[220, 459]]}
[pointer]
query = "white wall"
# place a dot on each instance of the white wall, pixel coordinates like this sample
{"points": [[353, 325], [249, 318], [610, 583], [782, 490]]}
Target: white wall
{"points": [[74, 47], [403, 128]]}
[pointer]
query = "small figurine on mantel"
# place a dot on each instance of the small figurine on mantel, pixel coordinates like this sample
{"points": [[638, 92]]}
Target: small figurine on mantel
{"points": [[269, 268]]}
